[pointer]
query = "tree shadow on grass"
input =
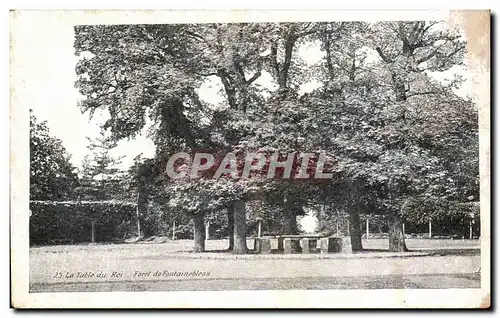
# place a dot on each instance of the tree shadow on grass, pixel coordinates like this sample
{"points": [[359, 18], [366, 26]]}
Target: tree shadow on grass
{"points": [[224, 251], [430, 252], [437, 252], [456, 252], [372, 250]]}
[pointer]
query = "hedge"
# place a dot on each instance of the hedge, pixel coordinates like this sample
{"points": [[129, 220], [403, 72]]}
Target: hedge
{"points": [[71, 221]]}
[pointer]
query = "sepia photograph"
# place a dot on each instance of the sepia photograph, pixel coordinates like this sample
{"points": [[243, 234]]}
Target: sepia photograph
{"points": [[248, 153]]}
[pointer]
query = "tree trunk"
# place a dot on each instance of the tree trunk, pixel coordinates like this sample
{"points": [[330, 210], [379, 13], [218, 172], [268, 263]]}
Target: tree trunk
{"points": [[430, 229], [199, 233], [396, 237], [291, 227], [93, 231], [173, 231], [138, 216], [354, 223], [355, 231], [142, 205], [240, 231], [230, 227], [368, 228], [470, 230], [399, 87], [207, 230]]}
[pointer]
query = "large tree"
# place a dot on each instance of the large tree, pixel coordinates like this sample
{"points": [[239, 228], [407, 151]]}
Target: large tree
{"points": [[52, 176], [139, 70], [408, 51], [366, 115], [101, 176]]}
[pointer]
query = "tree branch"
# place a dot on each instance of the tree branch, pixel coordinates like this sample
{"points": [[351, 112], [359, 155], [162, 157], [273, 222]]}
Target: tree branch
{"points": [[196, 36], [254, 77], [305, 33], [422, 93], [274, 59], [207, 74], [290, 42], [382, 55], [329, 56], [457, 49], [431, 24]]}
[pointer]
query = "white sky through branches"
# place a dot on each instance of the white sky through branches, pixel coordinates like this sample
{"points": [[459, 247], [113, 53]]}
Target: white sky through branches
{"points": [[57, 98]]}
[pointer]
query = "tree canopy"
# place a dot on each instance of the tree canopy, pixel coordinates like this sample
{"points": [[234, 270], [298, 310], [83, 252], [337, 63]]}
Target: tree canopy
{"points": [[392, 132], [52, 176]]}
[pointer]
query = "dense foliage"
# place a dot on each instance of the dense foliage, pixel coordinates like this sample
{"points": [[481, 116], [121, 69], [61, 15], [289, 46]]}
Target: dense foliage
{"points": [[71, 221], [52, 176], [100, 175], [402, 145]]}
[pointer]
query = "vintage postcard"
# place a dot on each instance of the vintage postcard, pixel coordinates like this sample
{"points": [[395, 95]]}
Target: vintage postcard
{"points": [[250, 159]]}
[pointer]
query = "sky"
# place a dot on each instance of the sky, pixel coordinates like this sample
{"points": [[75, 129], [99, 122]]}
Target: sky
{"points": [[57, 99]]}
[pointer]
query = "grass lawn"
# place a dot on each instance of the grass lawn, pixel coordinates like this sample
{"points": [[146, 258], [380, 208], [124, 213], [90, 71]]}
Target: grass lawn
{"points": [[132, 267]]}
